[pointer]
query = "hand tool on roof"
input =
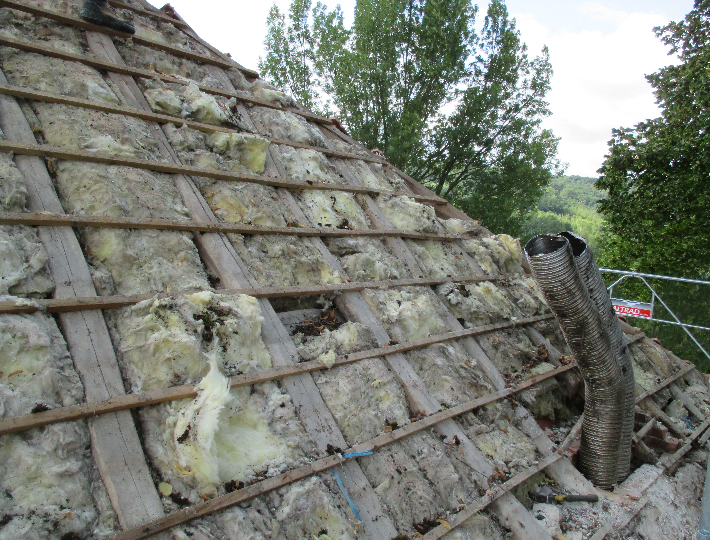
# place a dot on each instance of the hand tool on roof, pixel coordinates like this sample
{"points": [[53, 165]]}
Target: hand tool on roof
{"points": [[552, 498], [92, 11]]}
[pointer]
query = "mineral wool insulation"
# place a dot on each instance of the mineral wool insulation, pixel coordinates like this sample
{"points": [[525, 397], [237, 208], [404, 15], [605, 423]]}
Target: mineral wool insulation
{"points": [[201, 460], [417, 479], [46, 475]]}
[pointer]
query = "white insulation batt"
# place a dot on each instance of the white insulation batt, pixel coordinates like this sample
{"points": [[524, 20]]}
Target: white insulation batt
{"points": [[406, 214], [305, 165], [23, 259], [124, 261], [233, 152], [364, 386], [373, 175], [200, 444], [450, 373], [407, 314], [46, 474], [310, 509], [365, 259], [221, 439], [494, 429], [441, 259], [418, 479], [272, 259], [287, 126], [476, 303]]}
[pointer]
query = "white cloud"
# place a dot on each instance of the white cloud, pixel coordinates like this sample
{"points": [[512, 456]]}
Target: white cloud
{"points": [[238, 28], [598, 81], [603, 13]]}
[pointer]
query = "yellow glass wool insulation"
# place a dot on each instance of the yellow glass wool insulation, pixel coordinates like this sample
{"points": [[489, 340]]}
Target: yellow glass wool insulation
{"points": [[13, 193], [75, 128], [34, 365], [56, 35], [148, 33], [164, 342], [439, 259], [47, 74], [310, 509], [307, 511], [334, 209], [366, 259], [200, 445], [373, 175], [509, 350], [132, 261], [657, 356], [43, 472], [150, 58], [23, 259], [479, 527], [406, 214], [305, 165], [476, 303], [23, 263], [450, 374], [264, 91], [365, 386], [204, 107], [368, 385], [644, 374], [185, 140], [418, 479], [276, 260], [504, 442], [499, 254], [164, 101], [252, 204], [272, 259], [407, 314], [526, 296], [249, 150], [46, 493], [288, 126]]}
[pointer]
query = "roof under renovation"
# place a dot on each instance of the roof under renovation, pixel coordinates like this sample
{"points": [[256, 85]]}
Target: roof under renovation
{"points": [[223, 318]]}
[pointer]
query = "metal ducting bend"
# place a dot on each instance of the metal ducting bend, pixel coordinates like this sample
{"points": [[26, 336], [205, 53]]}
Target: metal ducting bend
{"points": [[576, 296], [588, 268]]}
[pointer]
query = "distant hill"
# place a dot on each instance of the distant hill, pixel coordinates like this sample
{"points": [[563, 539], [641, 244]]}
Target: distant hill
{"points": [[569, 204]]}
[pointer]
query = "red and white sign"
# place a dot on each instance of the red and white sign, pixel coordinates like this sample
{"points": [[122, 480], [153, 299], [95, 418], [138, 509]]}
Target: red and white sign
{"points": [[643, 310]]}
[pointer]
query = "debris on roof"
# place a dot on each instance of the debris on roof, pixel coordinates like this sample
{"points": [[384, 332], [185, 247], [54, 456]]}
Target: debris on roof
{"points": [[380, 366]]}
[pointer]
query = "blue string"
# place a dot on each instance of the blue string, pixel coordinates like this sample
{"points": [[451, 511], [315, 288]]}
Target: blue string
{"points": [[358, 454], [347, 497]]}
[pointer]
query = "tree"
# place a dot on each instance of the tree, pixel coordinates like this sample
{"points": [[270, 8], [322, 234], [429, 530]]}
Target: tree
{"points": [[657, 175], [459, 110]]}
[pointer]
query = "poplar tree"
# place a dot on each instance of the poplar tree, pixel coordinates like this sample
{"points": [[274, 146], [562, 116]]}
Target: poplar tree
{"points": [[458, 109]]}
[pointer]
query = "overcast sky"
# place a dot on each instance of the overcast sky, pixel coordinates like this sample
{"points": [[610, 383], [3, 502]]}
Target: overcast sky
{"points": [[600, 51]]}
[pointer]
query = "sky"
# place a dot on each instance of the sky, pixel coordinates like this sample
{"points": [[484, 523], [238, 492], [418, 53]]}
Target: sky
{"points": [[600, 52]]}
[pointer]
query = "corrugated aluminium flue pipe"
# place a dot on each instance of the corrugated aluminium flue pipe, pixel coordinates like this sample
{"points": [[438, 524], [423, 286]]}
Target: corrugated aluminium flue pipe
{"points": [[589, 270], [704, 525], [558, 277]]}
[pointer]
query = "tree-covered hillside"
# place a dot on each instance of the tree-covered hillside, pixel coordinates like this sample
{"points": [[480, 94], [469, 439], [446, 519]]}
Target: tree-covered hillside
{"points": [[569, 204]]}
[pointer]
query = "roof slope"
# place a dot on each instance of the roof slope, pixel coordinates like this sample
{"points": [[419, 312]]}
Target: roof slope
{"points": [[173, 226]]}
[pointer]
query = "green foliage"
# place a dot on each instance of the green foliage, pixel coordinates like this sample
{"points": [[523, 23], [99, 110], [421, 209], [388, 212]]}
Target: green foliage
{"points": [[657, 178], [568, 204], [459, 110]]}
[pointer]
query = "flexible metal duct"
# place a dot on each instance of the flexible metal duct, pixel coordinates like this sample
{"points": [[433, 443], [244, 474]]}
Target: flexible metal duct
{"points": [[554, 267], [589, 270]]}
